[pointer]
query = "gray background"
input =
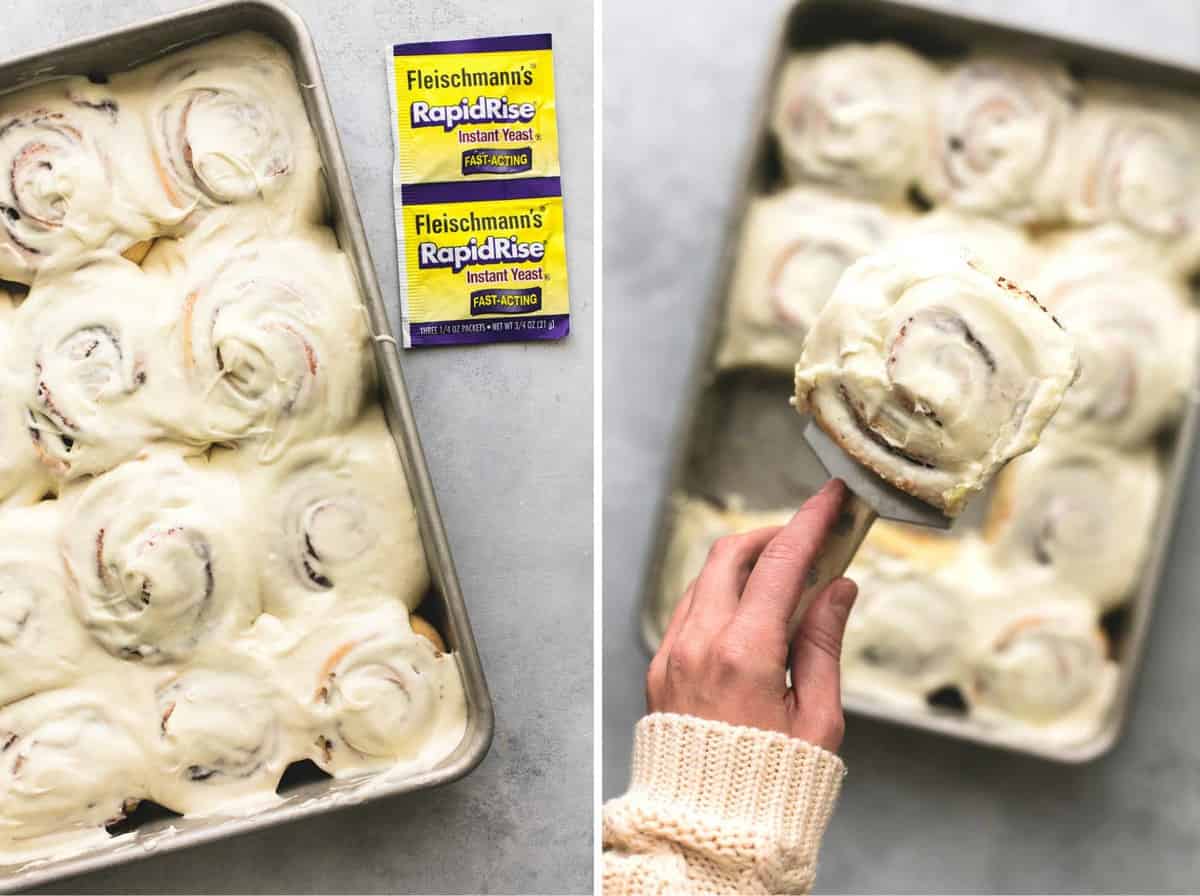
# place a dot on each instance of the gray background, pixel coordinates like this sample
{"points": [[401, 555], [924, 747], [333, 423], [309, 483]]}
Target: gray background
{"points": [[508, 433], [918, 814]]}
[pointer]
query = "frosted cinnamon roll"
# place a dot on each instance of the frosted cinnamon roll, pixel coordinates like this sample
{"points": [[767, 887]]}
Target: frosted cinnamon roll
{"points": [[909, 622], [698, 524], [41, 642], [855, 117], [337, 522], [228, 126], [388, 698], [90, 381], [1135, 162], [157, 558], [1135, 333], [225, 736], [61, 192], [68, 766], [1076, 515], [997, 132], [1000, 247], [1041, 665], [795, 246], [932, 372], [272, 344]]}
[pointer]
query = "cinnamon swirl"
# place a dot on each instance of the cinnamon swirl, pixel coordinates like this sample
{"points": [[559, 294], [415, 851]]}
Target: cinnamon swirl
{"points": [[68, 766], [932, 372], [228, 127], [998, 129], [795, 246], [89, 378], [62, 192], [272, 343], [855, 117], [1075, 515], [157, 565], [1135, 333], [1135, 163], [225, 737], [1042, 665], [337, 523], [388, 697]]}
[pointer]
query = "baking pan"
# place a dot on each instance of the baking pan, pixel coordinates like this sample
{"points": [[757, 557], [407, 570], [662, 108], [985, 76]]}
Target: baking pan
{"points": [[727, 442], [304, 794]]}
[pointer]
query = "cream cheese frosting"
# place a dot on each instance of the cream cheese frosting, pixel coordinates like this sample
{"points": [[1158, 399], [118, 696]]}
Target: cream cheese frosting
{"points": [[855, 116], [1135, 332], [1076, 515], [933, 372], [795, 246], [998, 130], [208, 549]]}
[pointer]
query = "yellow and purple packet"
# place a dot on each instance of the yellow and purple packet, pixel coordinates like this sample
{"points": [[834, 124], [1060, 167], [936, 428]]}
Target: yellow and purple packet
{"points": [[479, 218]]}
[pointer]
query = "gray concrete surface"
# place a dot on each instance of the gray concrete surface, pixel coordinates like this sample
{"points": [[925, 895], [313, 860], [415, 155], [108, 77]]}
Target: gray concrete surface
{"points": [[919, 814], [508, 433]]}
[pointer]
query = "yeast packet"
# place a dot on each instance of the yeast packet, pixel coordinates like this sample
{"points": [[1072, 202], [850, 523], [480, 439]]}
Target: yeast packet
{"points": [[478, 199]]}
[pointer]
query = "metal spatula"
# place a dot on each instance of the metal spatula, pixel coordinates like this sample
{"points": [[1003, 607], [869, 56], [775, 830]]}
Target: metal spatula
{"points": [[869, 498]]}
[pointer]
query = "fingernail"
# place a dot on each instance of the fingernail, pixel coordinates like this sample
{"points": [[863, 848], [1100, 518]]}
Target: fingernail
{"points": [[844, 594]]}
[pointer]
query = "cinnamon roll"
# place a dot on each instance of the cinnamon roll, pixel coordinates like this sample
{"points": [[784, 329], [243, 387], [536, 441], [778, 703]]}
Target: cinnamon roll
{"points": [[1076, 515], [272, 344], [89, 381], [1135, 163], [1001, 247], [998, 129], [1135, 333], [388, 698], [909, 622], [337, 523], [62, 191], [795, 246], [932, 372], [698, 524], [225, 736], [855, 117], [157, 561], [1042, 665], [41, 642], [228, 126], [68, 766]]}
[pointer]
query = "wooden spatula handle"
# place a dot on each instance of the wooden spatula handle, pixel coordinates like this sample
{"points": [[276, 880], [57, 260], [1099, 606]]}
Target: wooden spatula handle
{"points": [[841, 546]]}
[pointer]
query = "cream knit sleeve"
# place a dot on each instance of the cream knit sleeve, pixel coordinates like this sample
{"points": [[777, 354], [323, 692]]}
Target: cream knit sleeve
{"points": [[716, 808]]}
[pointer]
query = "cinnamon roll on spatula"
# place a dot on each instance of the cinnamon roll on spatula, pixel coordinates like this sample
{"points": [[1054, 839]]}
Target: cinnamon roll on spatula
{"points": [[924, 375]]}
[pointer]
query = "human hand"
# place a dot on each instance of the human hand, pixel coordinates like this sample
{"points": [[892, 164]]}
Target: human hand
{"points": [[726, 652]]}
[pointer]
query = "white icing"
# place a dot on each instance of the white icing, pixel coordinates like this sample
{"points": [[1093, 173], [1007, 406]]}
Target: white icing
{"points": [[998, 128], [795, 246], [932, 372], [1135, 162], [855, 117], [139, 654], [1076, 515], [1135, 333], [1002, 248]]}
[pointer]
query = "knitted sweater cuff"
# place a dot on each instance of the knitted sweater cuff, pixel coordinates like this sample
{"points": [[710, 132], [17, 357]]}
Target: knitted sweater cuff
{"points": [[781, 786]]}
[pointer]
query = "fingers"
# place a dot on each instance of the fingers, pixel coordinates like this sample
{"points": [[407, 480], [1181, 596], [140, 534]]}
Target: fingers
{"points": [[721, 581], [656, 674], [816, 653], [774, 588]]}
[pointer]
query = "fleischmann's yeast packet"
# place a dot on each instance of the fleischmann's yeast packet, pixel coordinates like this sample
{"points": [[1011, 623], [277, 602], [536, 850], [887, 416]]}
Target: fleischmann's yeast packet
{"points": [[479, 216]]}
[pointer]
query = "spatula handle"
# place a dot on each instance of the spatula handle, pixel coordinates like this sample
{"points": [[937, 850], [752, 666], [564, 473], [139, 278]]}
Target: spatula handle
{"points": [[840, 547]]}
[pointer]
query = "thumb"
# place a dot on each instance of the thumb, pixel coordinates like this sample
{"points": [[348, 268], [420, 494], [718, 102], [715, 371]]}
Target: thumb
{"points": [[816, 653]]}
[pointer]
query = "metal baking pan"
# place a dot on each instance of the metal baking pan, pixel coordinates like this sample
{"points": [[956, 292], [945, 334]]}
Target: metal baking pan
{"points": [[122, 49], [727, 442]]}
